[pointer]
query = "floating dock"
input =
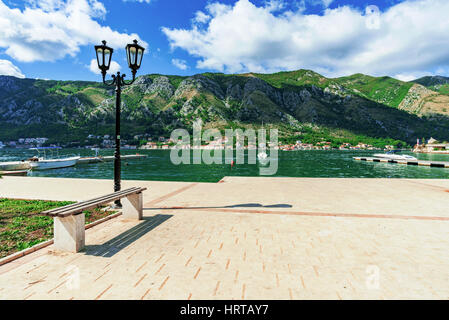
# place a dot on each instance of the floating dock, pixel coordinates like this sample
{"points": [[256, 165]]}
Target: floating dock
{"points": [[436, 164], [125, 157], [21, 167], [14, 173], [14, 165], [110, 158], [89, 160]]}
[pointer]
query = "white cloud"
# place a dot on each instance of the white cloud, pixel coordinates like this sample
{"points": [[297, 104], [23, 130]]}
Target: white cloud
{"points": [[48, 30], [113, 68], [8, 69], [302, 4], [181, 64], [409, 37], [47, 5], [274, 5], [141, 1], [201, 17], [325, 3], [411, 76]]}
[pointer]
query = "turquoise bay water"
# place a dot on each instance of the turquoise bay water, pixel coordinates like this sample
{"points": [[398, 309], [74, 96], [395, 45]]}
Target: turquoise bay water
{"points": [[157, 166]]}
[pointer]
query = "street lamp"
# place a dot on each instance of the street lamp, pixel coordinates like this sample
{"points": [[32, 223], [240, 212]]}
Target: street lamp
{"points": [[134, 55]]}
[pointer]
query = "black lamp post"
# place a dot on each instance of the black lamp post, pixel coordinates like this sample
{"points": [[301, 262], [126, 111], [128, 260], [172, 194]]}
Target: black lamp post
{"points": [[134, 55]]}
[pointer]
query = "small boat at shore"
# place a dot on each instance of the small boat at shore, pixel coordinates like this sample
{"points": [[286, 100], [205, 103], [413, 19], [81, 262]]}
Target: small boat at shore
{"points": [[44, 163], [392, 155]]}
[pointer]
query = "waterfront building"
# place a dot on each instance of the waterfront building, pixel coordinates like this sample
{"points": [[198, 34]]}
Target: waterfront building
{"points": [[432, 146]]}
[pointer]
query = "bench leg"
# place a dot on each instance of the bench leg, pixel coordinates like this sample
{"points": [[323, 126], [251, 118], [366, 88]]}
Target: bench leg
{"points": [[69, 233], [133, 207]]}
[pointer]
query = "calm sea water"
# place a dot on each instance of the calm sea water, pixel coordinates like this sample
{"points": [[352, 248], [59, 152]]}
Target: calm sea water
{"points": [[157, 166]]}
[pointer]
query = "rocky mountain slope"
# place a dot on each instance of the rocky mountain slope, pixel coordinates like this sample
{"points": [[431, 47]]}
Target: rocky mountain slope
{"points": [[297, 102], [434, 82]]}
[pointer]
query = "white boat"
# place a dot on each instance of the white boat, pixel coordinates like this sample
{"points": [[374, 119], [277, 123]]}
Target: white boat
{"points": [[45, 164], [393, 156], [14, 165]]}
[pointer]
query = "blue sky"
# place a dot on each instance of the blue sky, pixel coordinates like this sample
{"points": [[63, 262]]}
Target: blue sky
{"points": [[52, 39]]}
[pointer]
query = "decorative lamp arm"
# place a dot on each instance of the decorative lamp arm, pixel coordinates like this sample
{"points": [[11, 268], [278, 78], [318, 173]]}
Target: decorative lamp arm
{"points": [[118, 77], [122, 79]]}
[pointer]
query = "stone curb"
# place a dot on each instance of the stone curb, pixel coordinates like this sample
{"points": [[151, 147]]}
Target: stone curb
{"points": [[47, 243]]}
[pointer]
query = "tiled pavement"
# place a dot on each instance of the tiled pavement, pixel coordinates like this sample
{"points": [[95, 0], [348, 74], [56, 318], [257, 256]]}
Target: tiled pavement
{"points": [[249, 238]]}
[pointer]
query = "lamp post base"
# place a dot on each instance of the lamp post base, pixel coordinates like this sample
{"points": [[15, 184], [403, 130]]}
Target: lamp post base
{"points": [[117, 205]]}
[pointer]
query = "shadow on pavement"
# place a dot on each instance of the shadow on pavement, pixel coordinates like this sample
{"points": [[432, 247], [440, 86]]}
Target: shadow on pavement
{"points": [[113, 246]]}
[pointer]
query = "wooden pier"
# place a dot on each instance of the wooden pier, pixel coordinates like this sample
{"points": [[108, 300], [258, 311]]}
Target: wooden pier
{"points": [[435, 164]]}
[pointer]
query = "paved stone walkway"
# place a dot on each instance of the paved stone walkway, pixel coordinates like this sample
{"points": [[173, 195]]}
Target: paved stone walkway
{"points": [[247, 238]]}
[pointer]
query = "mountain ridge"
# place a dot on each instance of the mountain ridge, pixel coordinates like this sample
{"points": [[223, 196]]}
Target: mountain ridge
{"points": [[294, 101]]}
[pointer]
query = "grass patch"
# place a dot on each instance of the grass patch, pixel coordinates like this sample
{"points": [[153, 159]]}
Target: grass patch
{"points": [[443, 89], [385, 90], [22, 227]]}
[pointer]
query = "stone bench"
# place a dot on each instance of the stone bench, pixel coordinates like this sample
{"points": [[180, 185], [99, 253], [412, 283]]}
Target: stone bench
{"points": [[69, 221]]}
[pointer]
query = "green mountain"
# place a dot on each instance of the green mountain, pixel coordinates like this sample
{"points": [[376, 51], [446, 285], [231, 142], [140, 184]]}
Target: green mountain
{"points": [[436, 83], [302, 104]]}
